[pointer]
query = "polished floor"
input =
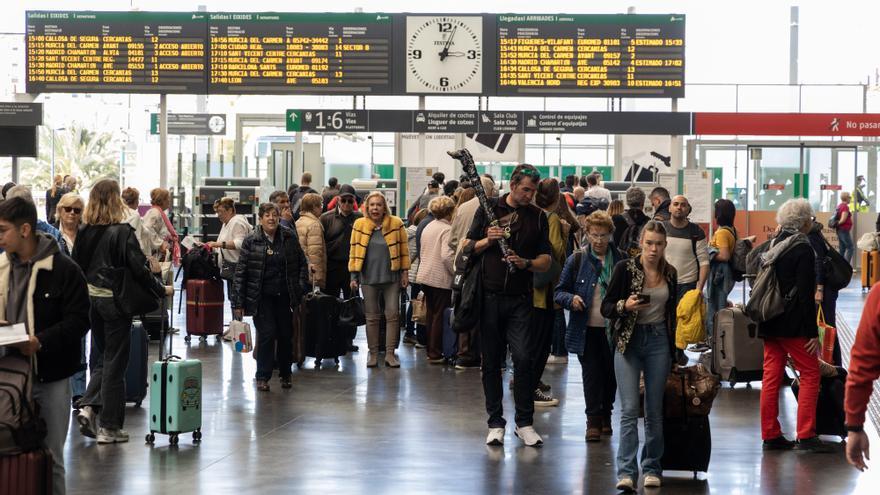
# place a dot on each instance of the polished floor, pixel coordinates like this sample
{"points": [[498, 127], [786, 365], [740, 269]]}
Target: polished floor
{"points": [[420, 429]]}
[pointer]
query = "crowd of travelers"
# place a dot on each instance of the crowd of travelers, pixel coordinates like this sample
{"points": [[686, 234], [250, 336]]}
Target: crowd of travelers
{"points": [[561, 268]]}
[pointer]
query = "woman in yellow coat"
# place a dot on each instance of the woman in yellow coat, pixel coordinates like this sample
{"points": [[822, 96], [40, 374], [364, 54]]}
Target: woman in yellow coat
{"points": [[379, 263]]}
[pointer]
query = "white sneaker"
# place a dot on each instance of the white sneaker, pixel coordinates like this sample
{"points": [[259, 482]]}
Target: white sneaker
{"points": [[495, 436], [652, 481], [529, 436], [557, 359], [626, 485], [87, 420], [106, 435]]}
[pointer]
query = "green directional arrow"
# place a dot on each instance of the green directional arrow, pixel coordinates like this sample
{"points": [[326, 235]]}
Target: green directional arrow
{"points": [[294, 120]]}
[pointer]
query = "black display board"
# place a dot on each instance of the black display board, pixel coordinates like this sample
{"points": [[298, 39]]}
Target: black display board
{"points": [[590, 55], [276, 53], [280, 53], [116, 52]]}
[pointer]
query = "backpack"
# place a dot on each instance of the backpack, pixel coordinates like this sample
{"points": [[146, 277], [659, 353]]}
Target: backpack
{"points": [[199, 263], [629, 241], [21, 427], [739, 256], [834, 221], [767, 300]]}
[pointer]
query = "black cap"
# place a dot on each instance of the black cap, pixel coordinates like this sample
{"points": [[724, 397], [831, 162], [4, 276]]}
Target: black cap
{"points": [[346, 190]]}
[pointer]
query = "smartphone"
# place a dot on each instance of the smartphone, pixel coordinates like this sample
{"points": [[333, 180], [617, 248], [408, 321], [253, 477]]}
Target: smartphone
{"points": [[644, 298]]}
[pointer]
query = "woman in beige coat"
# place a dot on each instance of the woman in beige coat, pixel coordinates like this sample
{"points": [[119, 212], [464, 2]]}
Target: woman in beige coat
{"points": [[311, 237], [435, 273]]}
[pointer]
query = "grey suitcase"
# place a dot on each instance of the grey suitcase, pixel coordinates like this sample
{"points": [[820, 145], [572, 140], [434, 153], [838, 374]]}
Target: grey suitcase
{"points": [[737, 352]]}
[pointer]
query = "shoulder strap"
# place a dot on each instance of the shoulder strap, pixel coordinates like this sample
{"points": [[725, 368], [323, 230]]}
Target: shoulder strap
{"points": [[578, 259]]}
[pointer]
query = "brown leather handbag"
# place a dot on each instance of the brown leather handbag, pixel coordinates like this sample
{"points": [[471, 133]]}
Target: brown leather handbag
{"points": [[690, 391]]}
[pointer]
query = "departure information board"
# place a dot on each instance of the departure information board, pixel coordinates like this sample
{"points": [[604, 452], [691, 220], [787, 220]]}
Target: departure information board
{"points": [[279, 53], [590, 55], [116, 52]]}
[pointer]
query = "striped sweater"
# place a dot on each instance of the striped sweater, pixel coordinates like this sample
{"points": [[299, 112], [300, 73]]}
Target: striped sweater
{"points": [[394, 234]]}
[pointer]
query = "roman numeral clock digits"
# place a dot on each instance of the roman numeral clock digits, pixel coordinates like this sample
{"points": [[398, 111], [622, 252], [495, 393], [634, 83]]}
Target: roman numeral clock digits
{"points": [[444, 55]]}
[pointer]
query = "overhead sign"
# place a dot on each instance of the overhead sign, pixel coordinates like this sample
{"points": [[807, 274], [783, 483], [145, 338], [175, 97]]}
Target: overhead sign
{"points": [[279, 53], [116, 52], [196, 124], [272, 53], [13, 114], [590, 55], [431, 121], [787, 124]]}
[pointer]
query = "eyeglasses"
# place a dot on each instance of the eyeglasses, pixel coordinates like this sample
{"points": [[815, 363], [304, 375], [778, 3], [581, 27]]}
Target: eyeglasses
{"points": [[599, 237], [346, 200], [71, 209]]}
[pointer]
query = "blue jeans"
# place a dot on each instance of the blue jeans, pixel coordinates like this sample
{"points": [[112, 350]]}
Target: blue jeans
{"points": [[78, 380], [648, 352], [846, 248], [716, 301]]}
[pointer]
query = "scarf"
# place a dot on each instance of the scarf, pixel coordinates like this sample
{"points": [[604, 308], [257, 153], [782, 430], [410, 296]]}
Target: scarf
{"points": [[172, 239]]}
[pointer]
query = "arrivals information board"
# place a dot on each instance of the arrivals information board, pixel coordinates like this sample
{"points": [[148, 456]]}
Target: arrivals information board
{"points": [[279, 53], [116, 52], [590, 55]]}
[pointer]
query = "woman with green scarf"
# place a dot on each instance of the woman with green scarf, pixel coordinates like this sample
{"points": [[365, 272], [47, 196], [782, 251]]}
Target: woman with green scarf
{"points": [[581, 288]]}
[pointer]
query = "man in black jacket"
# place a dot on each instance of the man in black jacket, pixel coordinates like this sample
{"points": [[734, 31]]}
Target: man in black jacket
{"points": [[337, 225], [56, 316]]}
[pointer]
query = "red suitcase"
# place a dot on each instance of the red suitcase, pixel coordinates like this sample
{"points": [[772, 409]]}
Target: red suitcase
{"points": [[26, 474], [204, 308]]}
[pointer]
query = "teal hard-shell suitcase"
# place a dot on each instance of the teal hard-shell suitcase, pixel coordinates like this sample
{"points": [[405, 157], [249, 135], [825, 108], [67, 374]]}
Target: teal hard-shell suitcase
{"points": [[176, 398], [175, 395]]}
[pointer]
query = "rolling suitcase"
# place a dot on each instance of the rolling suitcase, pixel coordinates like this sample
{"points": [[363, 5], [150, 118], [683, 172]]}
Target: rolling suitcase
{"points": [[737, 352], [322, 337], [450, 338], [687, 444], [29, 473], [204, 308], [175, 396], [870, 268], [137, 372], [830, 416]]}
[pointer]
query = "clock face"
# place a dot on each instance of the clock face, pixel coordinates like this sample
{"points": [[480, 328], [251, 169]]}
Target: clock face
{"points": [[444, 54]]}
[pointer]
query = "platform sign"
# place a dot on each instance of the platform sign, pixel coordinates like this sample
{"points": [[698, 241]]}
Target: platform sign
{"points": [[591, 55], [116, 52], [284, 53]]}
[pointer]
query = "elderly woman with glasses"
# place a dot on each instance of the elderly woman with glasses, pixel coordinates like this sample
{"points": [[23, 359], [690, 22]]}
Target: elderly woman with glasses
{"points": [[69, 215], [582, 286]]}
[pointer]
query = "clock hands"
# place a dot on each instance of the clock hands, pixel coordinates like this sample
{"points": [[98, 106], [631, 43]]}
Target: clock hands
{"points": [[445, 52]]}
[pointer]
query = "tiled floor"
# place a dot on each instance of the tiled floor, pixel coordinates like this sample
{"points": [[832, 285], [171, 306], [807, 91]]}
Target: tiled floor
{"points": [[420, 429]]}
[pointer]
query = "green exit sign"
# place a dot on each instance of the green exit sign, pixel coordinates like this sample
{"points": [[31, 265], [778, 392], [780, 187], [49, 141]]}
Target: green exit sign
{"points": [[293, 120]]}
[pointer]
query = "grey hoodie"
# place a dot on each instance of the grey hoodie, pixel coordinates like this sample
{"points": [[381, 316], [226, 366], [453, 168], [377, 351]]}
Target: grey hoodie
{"points": [[19, 276]]}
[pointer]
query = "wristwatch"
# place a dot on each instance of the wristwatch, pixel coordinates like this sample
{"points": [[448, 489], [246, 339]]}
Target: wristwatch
{"points": [[528, 264], [855, 428]]}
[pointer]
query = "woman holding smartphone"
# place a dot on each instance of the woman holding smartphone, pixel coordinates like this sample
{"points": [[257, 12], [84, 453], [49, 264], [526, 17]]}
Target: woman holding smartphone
{"points": [[640, 302]]}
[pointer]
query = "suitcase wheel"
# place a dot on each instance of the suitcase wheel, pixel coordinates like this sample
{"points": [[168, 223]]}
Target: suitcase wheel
{"points": [[299, 365], [317, 364], [173, 439], [187, 338], [150, 438], [137, 404], [197, 436], [336, 360], [218, 338], [203, 339]]}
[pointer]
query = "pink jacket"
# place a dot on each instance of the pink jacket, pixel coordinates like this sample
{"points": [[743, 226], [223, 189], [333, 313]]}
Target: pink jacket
{"points": [[436, 257]]}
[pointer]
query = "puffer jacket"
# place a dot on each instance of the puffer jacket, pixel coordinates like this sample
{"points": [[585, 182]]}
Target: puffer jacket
{"points": [[248, 281], [311, 239]]}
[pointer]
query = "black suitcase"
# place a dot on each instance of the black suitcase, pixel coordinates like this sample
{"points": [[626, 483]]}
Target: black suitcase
{"points": [[322, 337], [687, 444], [830, 416], [137, 372], [154, 323]]}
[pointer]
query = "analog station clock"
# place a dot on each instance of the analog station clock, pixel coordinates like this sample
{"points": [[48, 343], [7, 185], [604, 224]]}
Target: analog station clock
{"points": [[444, 54]]}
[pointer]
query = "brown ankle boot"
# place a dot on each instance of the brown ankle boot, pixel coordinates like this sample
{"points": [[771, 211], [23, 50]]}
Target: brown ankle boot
{"points": [[606, 426], [594, 428], [373, 322]]}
